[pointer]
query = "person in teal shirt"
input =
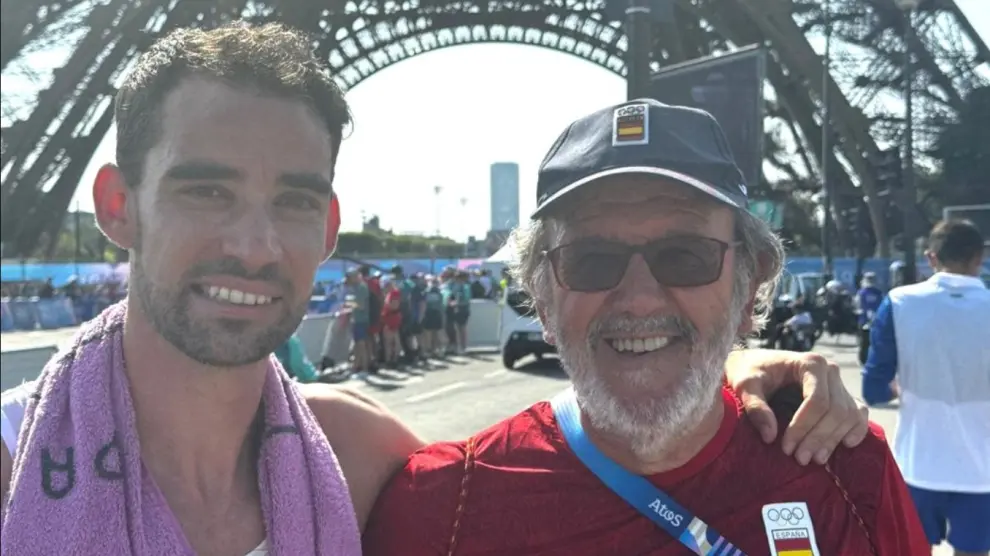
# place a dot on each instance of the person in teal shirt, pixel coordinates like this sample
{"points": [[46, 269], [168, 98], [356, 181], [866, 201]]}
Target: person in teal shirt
{"points": [[293, 358], [457, 300]]}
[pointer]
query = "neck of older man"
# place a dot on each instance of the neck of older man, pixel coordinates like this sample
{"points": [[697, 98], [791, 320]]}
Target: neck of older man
{"points": [[195, 423], [683, 445]]}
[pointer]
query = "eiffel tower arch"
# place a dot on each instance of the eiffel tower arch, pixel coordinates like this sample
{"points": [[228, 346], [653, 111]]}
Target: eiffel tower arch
{"points": [[48, 140]]}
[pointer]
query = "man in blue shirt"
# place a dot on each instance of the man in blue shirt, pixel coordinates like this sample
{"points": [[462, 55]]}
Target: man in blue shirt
{"points": [[868, 298], [933, 337]]}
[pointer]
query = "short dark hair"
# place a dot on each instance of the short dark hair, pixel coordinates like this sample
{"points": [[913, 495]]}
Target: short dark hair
{"points": [[270, 58], [956, 242]]}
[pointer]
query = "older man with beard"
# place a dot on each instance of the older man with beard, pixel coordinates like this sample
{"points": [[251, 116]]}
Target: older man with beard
{"points": [[645, 269]]}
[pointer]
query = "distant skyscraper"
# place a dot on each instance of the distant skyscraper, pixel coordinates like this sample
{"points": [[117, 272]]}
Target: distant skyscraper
{"points": [[505, 195]]}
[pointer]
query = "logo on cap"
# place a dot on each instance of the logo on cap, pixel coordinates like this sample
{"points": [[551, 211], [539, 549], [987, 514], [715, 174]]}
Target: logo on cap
{"points": [[631, 125]]}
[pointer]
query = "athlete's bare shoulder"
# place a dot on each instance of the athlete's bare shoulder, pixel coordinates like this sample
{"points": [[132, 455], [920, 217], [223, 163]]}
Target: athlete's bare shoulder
{"points": [[371, 443]]}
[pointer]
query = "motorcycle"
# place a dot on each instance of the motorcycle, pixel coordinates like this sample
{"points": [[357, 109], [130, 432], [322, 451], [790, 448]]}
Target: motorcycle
{"points": [[838, 315], [798, 333]]}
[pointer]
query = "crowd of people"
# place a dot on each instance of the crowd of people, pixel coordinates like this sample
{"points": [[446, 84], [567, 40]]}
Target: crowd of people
{"points": [[399, 320]]}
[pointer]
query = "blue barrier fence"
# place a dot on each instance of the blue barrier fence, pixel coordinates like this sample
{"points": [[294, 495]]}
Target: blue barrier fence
{"points": [[61, 312], [31, 314]]}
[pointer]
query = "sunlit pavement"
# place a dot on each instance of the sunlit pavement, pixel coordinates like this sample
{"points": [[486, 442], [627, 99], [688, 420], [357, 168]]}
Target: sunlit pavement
{"points": [[455, 398]]}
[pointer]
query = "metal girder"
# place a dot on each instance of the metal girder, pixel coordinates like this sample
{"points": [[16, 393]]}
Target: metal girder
{"points": [[25, 21], [32, 214], [792, 94], [857, 146], [364, 50], [978, 42]]}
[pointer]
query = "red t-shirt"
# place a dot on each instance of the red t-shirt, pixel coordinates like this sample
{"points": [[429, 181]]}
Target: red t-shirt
{"points": [[523, 492], [391, 315]]}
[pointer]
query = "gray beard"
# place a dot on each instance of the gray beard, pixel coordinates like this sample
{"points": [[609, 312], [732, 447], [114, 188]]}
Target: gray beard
{"points": [[650, 427]]}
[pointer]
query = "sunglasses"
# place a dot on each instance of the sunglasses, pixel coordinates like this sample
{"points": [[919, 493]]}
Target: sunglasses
{"points": [[595, 265]]}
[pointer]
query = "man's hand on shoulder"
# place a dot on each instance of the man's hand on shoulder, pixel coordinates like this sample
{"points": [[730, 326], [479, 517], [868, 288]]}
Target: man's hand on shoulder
{"points": [[370, 442], [828, 413]]}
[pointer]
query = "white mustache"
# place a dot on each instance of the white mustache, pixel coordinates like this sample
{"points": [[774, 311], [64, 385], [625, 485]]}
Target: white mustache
{"points": [[658, 325]]}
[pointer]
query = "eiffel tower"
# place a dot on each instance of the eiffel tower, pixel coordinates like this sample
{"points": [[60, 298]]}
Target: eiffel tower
{"points": [[49, 139]]}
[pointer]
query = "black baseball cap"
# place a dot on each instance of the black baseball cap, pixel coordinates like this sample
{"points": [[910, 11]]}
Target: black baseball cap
{"points": [[645, 136]]}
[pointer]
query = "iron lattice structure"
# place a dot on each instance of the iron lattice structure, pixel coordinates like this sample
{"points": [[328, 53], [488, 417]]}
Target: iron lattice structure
{"points": [[49, 138]]}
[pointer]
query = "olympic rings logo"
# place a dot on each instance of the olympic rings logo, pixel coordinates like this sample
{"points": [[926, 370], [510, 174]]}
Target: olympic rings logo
{"points": [[790, 516]]}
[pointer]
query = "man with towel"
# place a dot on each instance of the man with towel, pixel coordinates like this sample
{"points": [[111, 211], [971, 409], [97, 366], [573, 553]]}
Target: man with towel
{"points": [[166, 427], [645, 268]]}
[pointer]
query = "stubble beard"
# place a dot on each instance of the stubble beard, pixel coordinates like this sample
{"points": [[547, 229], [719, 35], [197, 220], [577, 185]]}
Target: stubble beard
{"points": [[224, 344]]}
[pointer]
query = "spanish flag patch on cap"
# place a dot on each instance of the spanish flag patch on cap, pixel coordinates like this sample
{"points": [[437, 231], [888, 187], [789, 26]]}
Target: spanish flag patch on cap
{"points": [[631, 125]]}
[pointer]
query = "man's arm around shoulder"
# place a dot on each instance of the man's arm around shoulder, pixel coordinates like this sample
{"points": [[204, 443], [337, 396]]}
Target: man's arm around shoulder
{"points": [[878, 493], [370, 442]]}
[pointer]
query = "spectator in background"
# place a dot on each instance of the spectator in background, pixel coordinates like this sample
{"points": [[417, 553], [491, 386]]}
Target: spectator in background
{"points": [[407, 333], [459, 301], [506, 281], [449, 326], [868, 298], [392, 318], [933, 336], [358, 300], [485, 279], [376, 300], [418, 302], [292, 356], [47, 291], [432, 318], [476, 285]]}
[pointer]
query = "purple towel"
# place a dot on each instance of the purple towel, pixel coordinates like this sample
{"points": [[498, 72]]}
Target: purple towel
{"points": [[79, 486]]}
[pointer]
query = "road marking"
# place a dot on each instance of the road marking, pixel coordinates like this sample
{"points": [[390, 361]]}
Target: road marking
{"points": [[495, 374], [434, 393]]}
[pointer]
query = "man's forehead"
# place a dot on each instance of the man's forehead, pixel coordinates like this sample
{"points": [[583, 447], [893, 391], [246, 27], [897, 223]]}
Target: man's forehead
{"points": [[200, 105], [205, 119]]}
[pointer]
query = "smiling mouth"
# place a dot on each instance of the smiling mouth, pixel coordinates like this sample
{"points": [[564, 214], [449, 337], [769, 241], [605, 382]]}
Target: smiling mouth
{"points": [[639, 346], [233, 296]]}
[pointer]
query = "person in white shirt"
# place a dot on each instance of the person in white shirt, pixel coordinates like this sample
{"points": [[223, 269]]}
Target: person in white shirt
{"points": [[934, 336]]}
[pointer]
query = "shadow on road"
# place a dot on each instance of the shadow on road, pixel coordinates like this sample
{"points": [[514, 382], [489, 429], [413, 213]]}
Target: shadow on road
{"points": [[547, 367]]}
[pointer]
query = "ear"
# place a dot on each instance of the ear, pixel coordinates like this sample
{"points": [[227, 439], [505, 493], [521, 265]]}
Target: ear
{"points": [[112, 200], [333, 227], [548, 335]]}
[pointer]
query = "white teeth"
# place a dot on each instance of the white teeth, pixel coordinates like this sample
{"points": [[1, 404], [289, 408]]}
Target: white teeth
{"points": [[236, 297], [639, 345]]}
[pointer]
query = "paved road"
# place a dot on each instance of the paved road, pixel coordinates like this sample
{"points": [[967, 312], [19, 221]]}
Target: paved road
{"points": [[12, 341], [454, 399]]}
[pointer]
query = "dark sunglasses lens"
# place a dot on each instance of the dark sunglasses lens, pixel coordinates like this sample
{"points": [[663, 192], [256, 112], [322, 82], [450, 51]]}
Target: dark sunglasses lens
{"points": [[686, 262], [586, 268]]}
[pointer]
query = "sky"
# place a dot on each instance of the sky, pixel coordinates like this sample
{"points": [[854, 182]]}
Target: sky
{"points": [[442, 118]]}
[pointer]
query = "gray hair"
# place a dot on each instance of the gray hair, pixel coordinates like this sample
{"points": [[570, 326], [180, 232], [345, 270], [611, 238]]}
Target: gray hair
{"points": [[759, 256]]}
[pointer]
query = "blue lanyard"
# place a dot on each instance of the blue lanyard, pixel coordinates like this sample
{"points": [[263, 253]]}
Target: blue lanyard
{"points": [[650, 501]]}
